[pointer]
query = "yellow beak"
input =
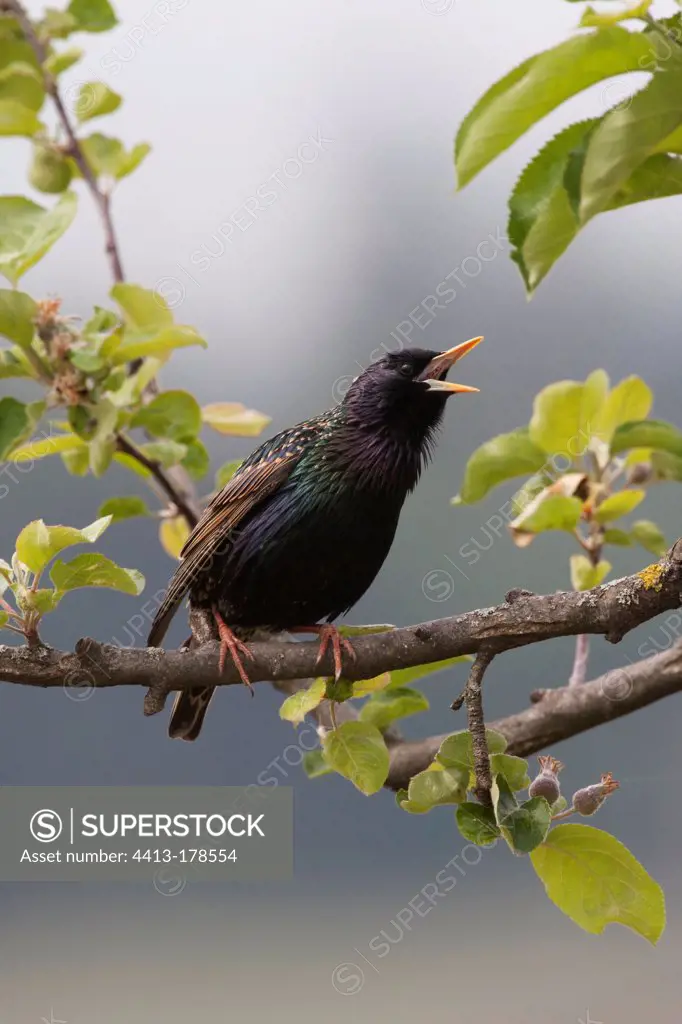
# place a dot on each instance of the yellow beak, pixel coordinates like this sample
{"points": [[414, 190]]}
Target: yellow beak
{"points": [[442, 363]]}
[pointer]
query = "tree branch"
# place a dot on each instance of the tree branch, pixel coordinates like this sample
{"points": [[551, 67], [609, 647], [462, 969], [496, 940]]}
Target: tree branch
{"points": [[180, 496], [101, 198]]}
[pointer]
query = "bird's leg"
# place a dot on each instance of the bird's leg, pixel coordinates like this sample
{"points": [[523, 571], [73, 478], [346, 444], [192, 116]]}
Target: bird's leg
{"points": [[330, 635], [232, 644]]}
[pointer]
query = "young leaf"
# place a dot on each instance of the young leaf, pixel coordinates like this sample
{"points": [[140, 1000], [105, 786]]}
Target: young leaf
{"points": [[296, 707], [357, 751], [234, 418], [405, 676], [17, 119], [14, 422], [456, 751], [57, 63], [628, 135], [477, 824], [524, 826], [55, 445], [539, 85], [555, 512], [500, 459], [95, 99], [631, 399], [617, 505], [94, 570], [226, 472], [364, 687], [123, 508], [173, 414], [159, 344], [173, 533], [563, 413], [619, 537], [596, 881], [388, 706], [28, 231], [437, 786], [167, 453], [17, 312], [93, 15], [37, 543], [584, 575], [655, 434], [314, 764], [514, 770], [649, 536], [144, 310], [197, 461]]}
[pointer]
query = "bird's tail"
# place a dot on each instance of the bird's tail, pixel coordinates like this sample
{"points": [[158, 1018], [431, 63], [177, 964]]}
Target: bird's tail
{"points": [[189, 711]]}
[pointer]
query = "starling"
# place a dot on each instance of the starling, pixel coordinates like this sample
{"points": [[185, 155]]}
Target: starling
{"points": [[298, 534]]}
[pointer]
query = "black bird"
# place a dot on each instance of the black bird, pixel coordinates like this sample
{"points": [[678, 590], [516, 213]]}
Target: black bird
{"points": [[298, 534]]}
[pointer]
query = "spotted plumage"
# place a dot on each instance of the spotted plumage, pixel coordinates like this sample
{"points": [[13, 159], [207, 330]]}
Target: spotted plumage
{"points": [[298, 534]]}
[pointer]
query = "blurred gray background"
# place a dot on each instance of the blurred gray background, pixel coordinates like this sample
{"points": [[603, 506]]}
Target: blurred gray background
{"points": [[297, 302]]}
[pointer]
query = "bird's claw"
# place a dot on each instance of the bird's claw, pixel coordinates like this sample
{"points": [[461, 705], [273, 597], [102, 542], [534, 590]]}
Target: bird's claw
{"points": [[232, 645], [330, 635]]}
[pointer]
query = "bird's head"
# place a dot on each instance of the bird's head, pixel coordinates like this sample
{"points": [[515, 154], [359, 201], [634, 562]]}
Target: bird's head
{"points": [[408, 388]]}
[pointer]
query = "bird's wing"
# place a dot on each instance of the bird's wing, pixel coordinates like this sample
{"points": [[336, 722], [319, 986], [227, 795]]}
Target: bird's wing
{"points": [[259, 476]]}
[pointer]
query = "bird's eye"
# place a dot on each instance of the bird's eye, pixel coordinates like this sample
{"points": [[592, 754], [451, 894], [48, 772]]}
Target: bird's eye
{"points": [[405, 369]]}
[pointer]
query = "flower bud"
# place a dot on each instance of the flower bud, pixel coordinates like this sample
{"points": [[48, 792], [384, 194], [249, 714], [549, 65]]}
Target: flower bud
{"points": [[547, 783], [588, 800]]}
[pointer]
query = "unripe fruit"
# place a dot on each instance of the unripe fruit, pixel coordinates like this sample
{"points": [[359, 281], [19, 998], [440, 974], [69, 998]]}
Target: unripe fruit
{"points": [[588, 800], [546, 784], [49, 172]]}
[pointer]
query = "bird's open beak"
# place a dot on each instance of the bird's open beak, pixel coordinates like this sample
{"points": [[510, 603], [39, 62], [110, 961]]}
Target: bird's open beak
{"points": [[440, 365]]}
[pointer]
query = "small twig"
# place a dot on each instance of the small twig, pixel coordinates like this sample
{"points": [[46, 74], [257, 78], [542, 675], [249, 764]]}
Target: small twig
{"points": [[183, 501], [473, 698], [582, 653], [564, 814]]}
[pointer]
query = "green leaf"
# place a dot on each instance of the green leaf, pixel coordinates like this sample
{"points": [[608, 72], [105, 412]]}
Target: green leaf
{"points": [[226, 472], [405, 676], [37, 543], [314, 764], [173, 414], [595, 19], [619, 537], [93, 15], [77, 462], [17, 119], [539, 85], [167, 453], [17, 312], [357, 751], [631, 399], [14, 421], [197, 461], [388, 706], [363, 687], [4, 617], [554, 512], [28, 231], [54, 445], [42, 601], [17, 51], [94, 570], [438, 786], [524, 826], [123, 508], [95, 99], [628, 135], [584, 575], [456, 750], [500, 459], [618, 504], [666, 466], [106, 155], [172, 534], [596, 881], [650, 536], [144, 310], [514, 770], [655, 434], [477, 824], [234, 418], [13, 363], [159, 344], [59, 62], [22, 83], [542, 222], [563, 414]]}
